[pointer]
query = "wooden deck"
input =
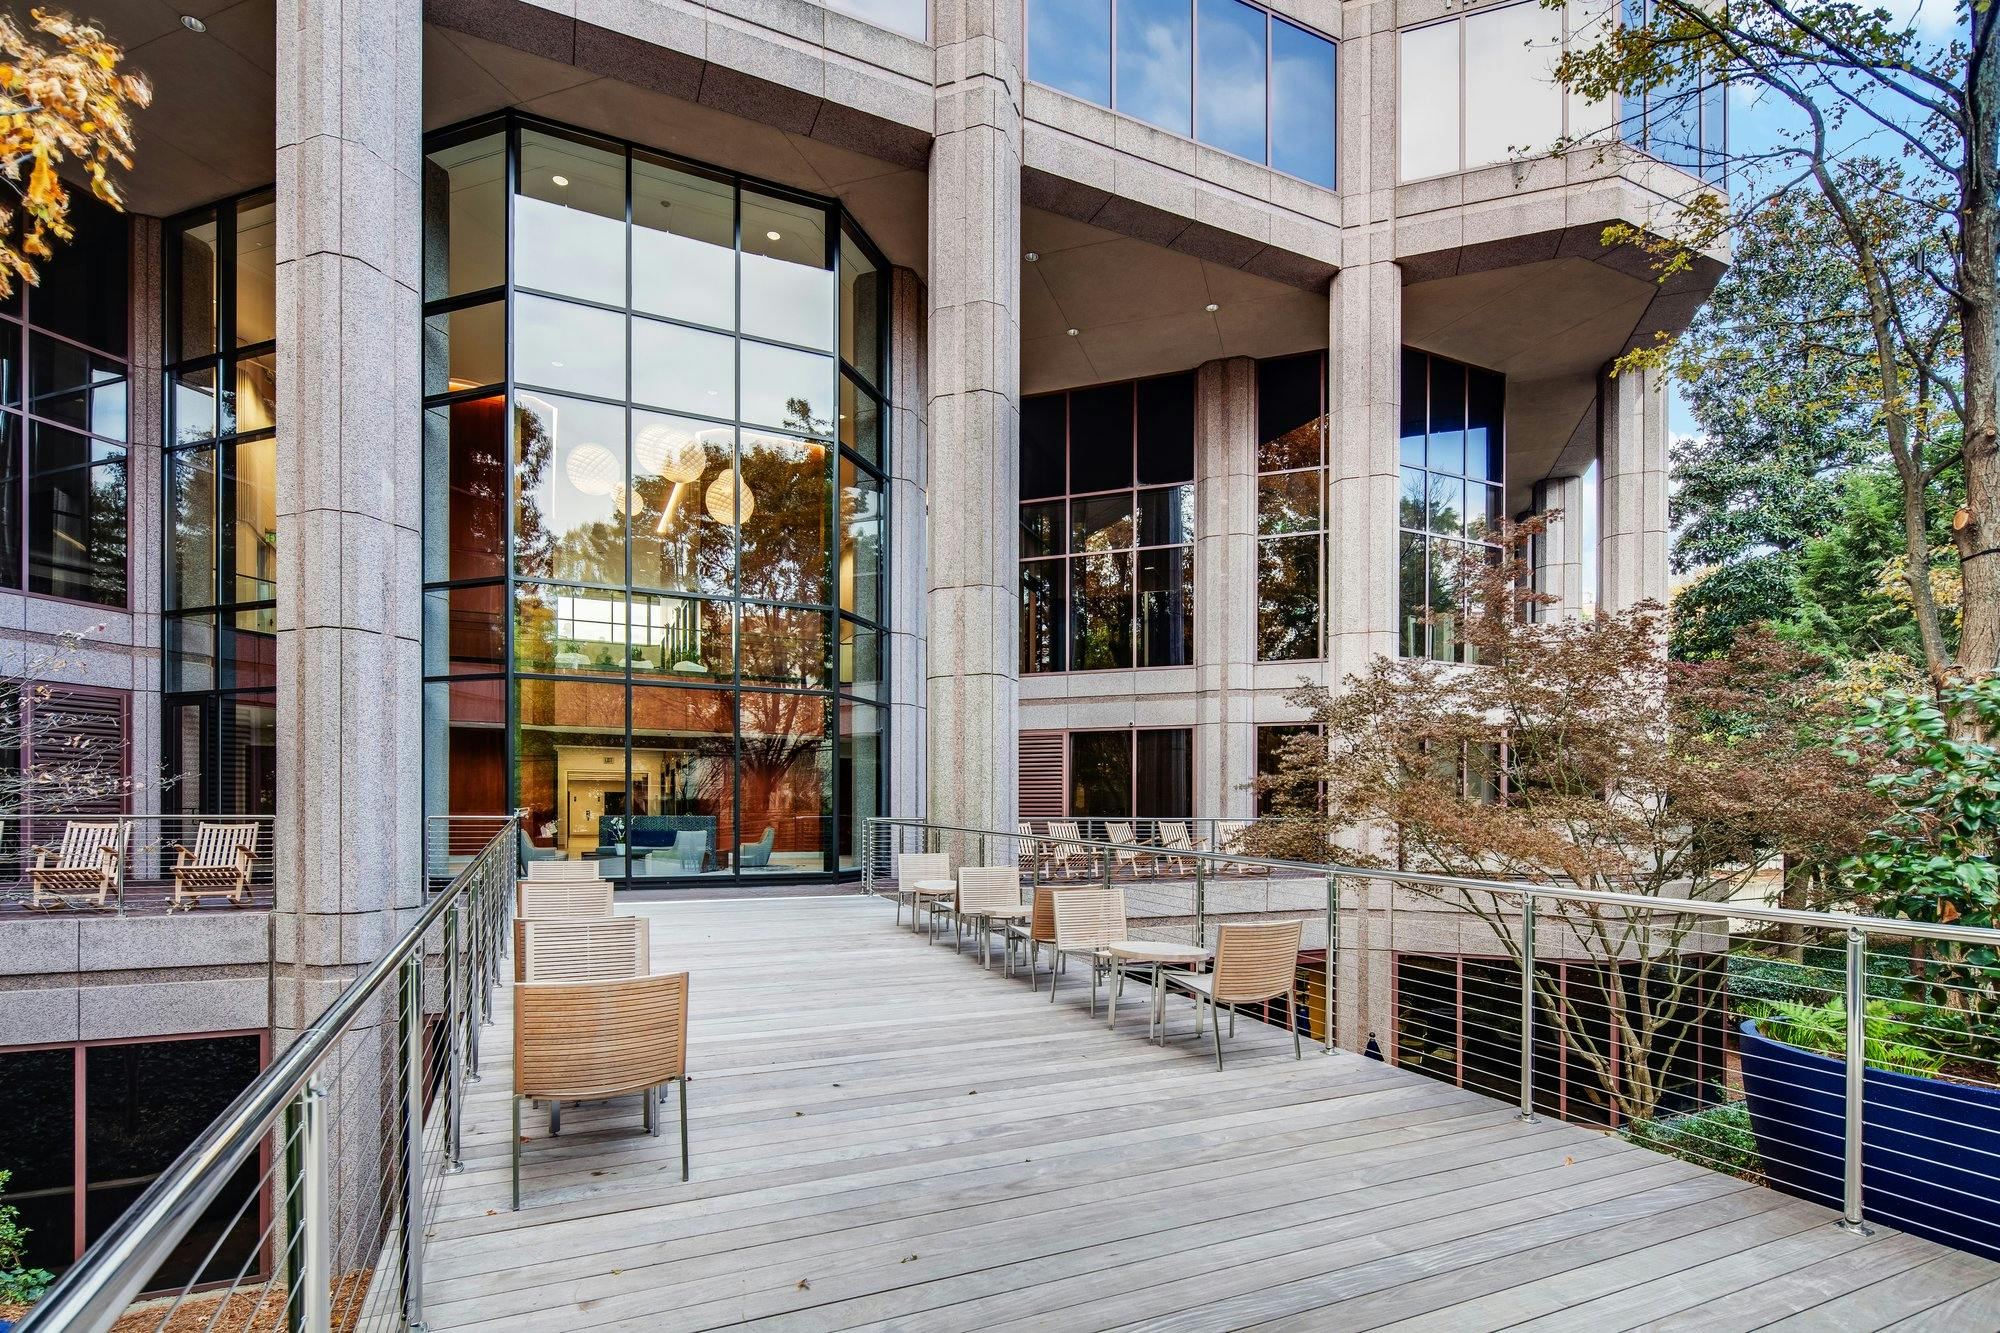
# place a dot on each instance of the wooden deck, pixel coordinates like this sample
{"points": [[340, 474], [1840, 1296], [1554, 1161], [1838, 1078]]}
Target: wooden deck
{"points": [[885, 1135]]}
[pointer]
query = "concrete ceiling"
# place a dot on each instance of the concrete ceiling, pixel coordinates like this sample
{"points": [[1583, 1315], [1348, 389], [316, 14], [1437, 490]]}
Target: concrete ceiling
{"points": [[1140, 309]]}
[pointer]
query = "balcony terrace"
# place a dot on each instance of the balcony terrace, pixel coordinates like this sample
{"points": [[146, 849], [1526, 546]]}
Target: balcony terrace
{"points": [[884, 1133]]}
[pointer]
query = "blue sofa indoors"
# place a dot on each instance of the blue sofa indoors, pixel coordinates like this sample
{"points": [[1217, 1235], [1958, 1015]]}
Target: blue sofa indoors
{"points": [[1928, 1153], [649, 833]]}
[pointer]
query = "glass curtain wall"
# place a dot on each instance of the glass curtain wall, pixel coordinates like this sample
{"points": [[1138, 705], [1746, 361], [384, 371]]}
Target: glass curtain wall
{"points": [[1107, 526], [1137, 774], [1454, 488], [654, 545], [1227, 73], [1291, 506], [1481, 89], [219, 630], [64, 417]]}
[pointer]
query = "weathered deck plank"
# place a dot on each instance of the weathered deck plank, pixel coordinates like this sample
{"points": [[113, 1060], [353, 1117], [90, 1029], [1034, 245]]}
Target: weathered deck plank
{"points": [[886, 1135]]}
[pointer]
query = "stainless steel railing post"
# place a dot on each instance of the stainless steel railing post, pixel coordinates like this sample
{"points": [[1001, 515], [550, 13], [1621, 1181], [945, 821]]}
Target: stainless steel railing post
{"points": [[1528, 1009], [315, 1213], [410, 1087], [1200, 903], [457, 977], [1332, 948], [1854, 1103]]}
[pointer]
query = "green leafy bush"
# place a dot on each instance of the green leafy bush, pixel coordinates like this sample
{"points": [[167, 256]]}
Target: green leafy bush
{"points": [[18, 1285], [1718, 1138], [1891, 1031]]}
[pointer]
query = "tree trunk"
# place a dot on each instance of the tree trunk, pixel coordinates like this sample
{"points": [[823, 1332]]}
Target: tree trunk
{"points": [[1977, 529]]}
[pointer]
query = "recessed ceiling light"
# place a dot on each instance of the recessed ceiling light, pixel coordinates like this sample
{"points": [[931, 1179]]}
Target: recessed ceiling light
{"points": [[556, 364], [560, 180], [1072, 333], [193, 24], [1032, 256], [772, 236], [1211, 307]]}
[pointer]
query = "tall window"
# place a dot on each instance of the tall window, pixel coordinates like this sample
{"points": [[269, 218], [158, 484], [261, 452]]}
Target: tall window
{"points": [[655, 526], [63, 417], [1143, 774], [84, 1129], [1272, 742], [222, 506], [1230, 74], [1291, 506], [1481, 89], [1107, 526], [1453, 495]]}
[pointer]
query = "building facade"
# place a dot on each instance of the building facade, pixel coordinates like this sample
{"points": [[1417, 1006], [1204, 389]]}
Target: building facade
{"points": [[705, 426]]}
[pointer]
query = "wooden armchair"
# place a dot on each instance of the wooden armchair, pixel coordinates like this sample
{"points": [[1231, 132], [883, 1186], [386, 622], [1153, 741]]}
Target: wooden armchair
{"points": [[591, 1040], [218, 866], [912, 867], [85, 866], [989, 896], [1088, 921], [605, 948], [1254, 962], [562, 898]]}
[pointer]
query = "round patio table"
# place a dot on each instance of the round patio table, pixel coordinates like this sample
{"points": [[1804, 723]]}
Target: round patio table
{"points": [[930, 888], [1156, 954]]}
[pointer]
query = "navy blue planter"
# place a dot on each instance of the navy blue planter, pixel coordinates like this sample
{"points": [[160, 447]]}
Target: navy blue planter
{"points": [[1930, 1150]]}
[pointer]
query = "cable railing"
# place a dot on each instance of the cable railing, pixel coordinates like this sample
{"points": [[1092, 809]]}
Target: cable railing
{"points": [[125, 865], [1847, 1059], [304, 1205]]}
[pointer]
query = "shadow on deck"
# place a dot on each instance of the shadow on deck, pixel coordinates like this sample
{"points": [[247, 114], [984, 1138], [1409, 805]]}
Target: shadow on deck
{"points": [[884, 1133]]}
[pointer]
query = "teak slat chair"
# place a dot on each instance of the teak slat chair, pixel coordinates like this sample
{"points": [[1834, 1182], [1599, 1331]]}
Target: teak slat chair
{"points": [[1175, 837], [914, 866], [610, 948], [564, 870], [577, 1041], [86, 865], [989, 896], [218, 866], [1254, 962], [1087, 922], [1063, 849], [1122, 835], [562, 898]]}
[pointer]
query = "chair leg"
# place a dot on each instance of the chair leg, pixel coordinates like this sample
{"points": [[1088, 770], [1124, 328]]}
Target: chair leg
{"points": [[515, 1140], [1199, 1002], [1232, 1022], [555, 1118], [652, 1120], [684, 1126], [1298, 1052], [1055, 970], [1093, 988], [1216, 1019]]}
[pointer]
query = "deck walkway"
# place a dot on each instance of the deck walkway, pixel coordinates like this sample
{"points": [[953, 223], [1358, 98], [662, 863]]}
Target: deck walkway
{"points": [[884, 1135]]}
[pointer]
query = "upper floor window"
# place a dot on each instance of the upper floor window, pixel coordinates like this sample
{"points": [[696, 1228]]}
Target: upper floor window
{"points": [[1107, 526], [1453, 497], [1229, 74], [1481, 88], [64, 414], [1291, 506]]}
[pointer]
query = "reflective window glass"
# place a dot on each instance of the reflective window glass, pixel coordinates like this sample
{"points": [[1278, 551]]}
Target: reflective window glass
{"points": [[1166, 607], [1101, 609], [1044, 447], [683, 244], [1166, 429], [683, 369], [76, 516], [465, 349], [465, 490], [862, 533], [1427, 108], [788, 283], [465, 218], [782, 645], [682, 636], [1302, 103], [564, 346], [1513, 103], [1100, 438], [195, 259], [569, 218], [1044, 618], [785, 764], [1069, 47], [465, 630], [678, 540], [1155, 55], [863, 289], [569, 631], [782, 516], [789, 389], [1457, 447], [569, 469], [1231, 63], [256, 271], [860, 419]]}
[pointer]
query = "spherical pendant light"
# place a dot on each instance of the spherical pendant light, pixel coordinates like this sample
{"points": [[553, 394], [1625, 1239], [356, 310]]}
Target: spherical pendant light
{"points": [[726, 495], [591, 469], [669, 451]]}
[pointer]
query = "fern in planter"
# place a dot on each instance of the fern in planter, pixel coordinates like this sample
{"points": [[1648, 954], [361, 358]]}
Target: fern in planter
{"points": [[1887, 1028], [18, 1285]]}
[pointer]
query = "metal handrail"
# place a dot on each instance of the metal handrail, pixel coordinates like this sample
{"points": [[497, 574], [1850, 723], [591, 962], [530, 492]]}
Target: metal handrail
{"points": [[1873, 925], [96, 1290]]}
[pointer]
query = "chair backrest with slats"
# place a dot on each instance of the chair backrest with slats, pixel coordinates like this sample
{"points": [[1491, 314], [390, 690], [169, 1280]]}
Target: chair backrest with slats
{"points": [[1256, 960], [606, 948], [1175, 837], [582, 1040], [560, 898], [913, 866], [84, 843], [553, 870], [988, 889], [1090, 918], [1118, 832], [215, 844]]}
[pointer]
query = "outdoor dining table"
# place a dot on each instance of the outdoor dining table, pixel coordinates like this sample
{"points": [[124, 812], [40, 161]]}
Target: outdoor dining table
{"points": [[1156, 954], [933, 888]]}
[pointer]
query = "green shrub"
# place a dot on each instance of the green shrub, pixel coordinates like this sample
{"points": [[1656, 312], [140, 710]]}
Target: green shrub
{"points": [[18, 1285], [1890, 1029], [1718, 1138]]}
